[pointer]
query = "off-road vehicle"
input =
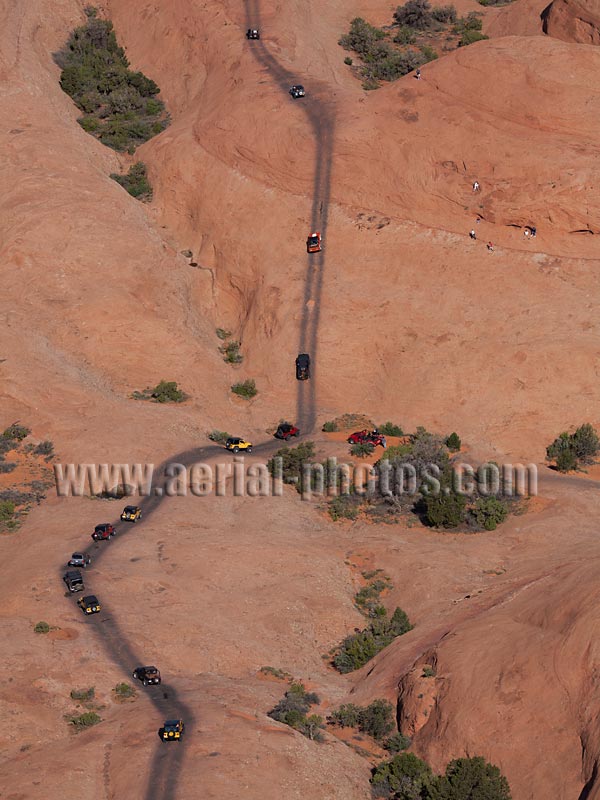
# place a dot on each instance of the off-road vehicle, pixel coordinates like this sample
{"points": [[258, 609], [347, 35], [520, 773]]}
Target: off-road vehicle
{"points": [[252, 33], [89, 604], [103, 531], [313, 243], [172, 729], [79, 560], [285, 431], [73, 580], [235, 444], [147, 675], [303, 367], [297, 91], [131, 513]]}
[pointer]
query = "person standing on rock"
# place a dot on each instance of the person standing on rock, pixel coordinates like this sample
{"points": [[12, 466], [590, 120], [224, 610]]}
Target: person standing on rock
{"points": [[472, 235], [490, 247], [418, 75], [475, 186]]}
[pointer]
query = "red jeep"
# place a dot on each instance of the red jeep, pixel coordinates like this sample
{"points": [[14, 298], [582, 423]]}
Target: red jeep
{"points": [[366, 437], [103, 531]]}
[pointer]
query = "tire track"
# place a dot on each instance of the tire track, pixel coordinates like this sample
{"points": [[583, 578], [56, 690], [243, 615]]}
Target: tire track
{"points": [[167, 761]]}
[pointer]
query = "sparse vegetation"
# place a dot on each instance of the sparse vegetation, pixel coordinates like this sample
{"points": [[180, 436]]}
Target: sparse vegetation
{"points": [[344, 506], [329, 427], [391, 429], [7, 510], [445, 510], [360, 647], [45, 448], [16, 433], [124, 691], [348, 61], [135, 182], [489, 512], [469, 29], [428, 672], [119, 106], [85, 720], [406, 777], [292, 463], [280, 674], [293, 709], [221, 332], [7, 466], [376, 719], [163, 392], [246, 389], [41, 627], [231, 352], [83, 695], [219, 436], [367, 599], [453, 442], [396, 743], [362, 449], [570, 450]]}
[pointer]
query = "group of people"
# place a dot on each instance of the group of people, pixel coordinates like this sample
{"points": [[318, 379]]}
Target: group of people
{"points": [[529, 232]]}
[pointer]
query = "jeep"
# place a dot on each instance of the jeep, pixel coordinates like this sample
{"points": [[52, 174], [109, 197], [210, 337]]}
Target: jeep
{"points": [[89, 604], [146, 675], [172, 729], [73, 580]]}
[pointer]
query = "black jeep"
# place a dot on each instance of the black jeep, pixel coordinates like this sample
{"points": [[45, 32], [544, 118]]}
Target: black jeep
{"points": [[73, 580], [147, 675], [303, 367]]}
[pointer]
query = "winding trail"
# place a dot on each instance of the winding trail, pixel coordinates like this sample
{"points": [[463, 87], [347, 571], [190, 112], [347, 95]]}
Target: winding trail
{"points": [[167, 760]]}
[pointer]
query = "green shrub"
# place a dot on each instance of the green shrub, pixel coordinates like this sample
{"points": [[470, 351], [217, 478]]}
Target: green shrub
{"points": [[45, 448], [218, 436], [380, 60], [568, 450], [360, 647], [346, 716], [7, 466], [367, 598], [135, 181], [83, 695], [470, 779], [276, 673], [428, 672], [405, 777], [472, 22], [221, 332], [470, 37], [119, 105], [41, 627], [292, 710], [585, 443], [390, 429], [377, 719], [245, 389], [329, 427], [490, 512], [167, 392], [292, 461], [414, 14], [362, 449], [429, 53], [124, 691], [85, 720], [445, 510], [7, 510], [444, 14], [396, 743], [453, 442], [16, 432], [362, 37], [404, 36], [566, 461], [348, 61], [345, 506], [231, 353]]}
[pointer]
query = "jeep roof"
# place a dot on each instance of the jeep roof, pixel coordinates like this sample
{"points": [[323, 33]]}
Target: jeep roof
{"points": [[130, 509], [90, 600], [72, 575], [303, 360]]}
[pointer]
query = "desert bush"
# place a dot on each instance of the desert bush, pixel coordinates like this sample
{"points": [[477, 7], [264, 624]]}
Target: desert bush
{"points": [[376, 719], [124, 691], [16, 432], [135, 181], [469, 778], [218, 436], [346, 716], [489, 512], [346, 506], [445, 510], [329, 427], [292, 710], [275, 672], [348, 61], [404, 777], [390, 429], [7, 510], [83, 695], [85, 720], [396, 743], [570, 449], [428, 672], [367, 598], [119, 105], [414, 14], [41, 627], [167, 392], [362, 449], [7, 466], [380, 60], [45, 448], [292, 461], [231, 353], [444, 14], [472, 22], [362, 37], [221, 332], [245, 389], [404, 35], [453, 442], [428, 52], [470, 37], [358, 648]]}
